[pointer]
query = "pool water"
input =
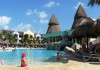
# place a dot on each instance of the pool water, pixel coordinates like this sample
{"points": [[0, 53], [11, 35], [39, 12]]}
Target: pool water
{"points": [[34, 56]]}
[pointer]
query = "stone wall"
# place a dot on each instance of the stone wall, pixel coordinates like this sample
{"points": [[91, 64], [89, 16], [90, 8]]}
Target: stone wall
{"points": [[59, 45]]}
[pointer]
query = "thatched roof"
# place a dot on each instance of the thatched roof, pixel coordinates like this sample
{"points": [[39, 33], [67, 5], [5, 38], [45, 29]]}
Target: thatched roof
{"points": [[53, 25], [53, 20], [96, 27], [76, 23], [84, 29], [80, 13]]}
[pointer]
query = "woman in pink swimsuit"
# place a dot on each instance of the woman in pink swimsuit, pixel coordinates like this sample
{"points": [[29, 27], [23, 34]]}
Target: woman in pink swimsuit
{"points": [[23, 61]]}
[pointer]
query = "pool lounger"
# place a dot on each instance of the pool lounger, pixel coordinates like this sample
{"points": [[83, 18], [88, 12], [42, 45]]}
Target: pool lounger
{"points": [[93, 56]]}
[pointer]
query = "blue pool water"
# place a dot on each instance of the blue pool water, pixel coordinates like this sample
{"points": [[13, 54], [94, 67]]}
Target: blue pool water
{"points": [[34, 56]]}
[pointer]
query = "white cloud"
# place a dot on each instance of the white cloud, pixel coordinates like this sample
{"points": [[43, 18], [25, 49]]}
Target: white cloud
{"points": [[5, 20], [23, 27], [27, 26], [51, 4], [29, 12], [94, 19], [43, 21], [6, 27], [42, 14], [41, 17], [79, 4]]}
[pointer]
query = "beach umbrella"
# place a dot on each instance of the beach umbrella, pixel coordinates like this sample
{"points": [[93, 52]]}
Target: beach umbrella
{"points": [[96, 27], [84, 29]]}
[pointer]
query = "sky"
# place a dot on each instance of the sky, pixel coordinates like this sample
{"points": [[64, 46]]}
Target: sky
{"points": [[20, 15]]}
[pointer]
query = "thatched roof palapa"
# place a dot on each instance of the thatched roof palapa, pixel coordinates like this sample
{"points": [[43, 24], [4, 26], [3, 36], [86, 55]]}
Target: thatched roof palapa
{"points": [[53, 25], [84, 29], [96, 27], [80, 13]]}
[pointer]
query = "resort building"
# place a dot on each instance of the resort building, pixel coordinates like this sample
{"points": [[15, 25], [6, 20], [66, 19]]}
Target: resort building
{"points": [[9, 37], [29, 33]]}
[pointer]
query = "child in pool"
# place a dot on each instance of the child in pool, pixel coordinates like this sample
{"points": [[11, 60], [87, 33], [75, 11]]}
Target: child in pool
{"points": [[58, 56], [23, 60]]}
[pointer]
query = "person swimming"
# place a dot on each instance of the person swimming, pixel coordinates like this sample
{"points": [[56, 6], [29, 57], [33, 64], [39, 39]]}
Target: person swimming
{"points": [[23, 60], [58, 55]]}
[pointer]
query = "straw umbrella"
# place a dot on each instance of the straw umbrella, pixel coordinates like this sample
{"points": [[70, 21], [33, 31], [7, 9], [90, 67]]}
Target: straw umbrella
{"points": [[79, 16], [84, 29], [96, 27]]}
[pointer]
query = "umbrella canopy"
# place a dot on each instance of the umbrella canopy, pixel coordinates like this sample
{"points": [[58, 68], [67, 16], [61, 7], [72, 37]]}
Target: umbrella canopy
{"points": [[84, 29], [80, 13], [96, 27]]}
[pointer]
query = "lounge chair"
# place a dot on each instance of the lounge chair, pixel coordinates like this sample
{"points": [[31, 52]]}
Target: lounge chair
{"points": [[87, 57]]}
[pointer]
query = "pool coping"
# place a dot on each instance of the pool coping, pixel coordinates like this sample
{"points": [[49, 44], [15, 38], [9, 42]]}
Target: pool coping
{"points": [[21, 48]]}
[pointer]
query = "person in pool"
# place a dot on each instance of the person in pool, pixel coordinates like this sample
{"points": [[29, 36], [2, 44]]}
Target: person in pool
{"points": [[58, 55], [23, 60]]}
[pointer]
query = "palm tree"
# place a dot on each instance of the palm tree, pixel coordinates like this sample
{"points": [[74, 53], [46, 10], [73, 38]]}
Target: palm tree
{"points": [[0, 36], [37, 40], [44, 40], [93, 2], [5, 36], [25, 39], [13, 38], [31, 40]]}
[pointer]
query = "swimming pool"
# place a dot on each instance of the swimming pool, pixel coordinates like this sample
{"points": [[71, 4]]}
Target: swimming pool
{"points": [[34, 56]]}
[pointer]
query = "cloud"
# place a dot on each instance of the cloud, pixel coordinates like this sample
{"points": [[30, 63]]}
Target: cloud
{"points": [[23, 27], [51, 4], [6, 27], [79, 4], [29, 12], [42, 14], [5, 20], [43, 21], [94, 19], [40, 17]]}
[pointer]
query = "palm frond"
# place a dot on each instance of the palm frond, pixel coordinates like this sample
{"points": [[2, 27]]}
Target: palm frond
{"points": [[94, 2]]}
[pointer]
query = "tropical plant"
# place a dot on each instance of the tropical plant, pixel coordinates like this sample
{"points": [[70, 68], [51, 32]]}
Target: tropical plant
{"points": [[25, 39], [13, 38], [4, 35], [93, 2], [44, 40], [37, 40]]}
